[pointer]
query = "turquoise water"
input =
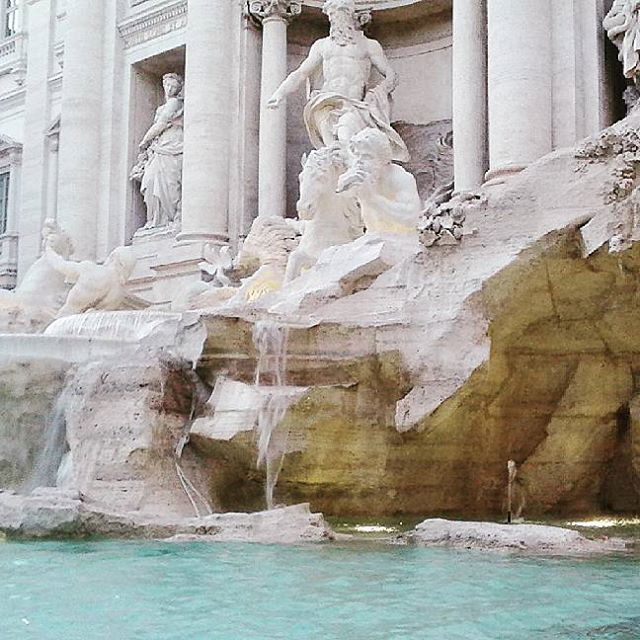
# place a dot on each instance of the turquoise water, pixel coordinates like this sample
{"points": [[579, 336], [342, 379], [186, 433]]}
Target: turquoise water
{"points": [[196, 591]]}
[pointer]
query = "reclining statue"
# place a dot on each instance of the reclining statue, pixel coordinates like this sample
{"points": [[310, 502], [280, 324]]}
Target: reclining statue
{"points": [[42, 291], [96, 286]]}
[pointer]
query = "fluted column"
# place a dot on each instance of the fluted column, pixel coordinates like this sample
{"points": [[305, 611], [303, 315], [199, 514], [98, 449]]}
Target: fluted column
{"points": [[207, 122], [272, 171], [520, 84], [81, 116], [469, 93]]}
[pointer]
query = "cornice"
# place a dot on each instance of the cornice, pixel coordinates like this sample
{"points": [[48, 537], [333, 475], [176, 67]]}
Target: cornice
{"points": [[148, 25]]}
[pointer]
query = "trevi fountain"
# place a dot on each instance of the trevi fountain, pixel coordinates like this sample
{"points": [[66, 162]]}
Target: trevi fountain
{"points": [[319, 318]]}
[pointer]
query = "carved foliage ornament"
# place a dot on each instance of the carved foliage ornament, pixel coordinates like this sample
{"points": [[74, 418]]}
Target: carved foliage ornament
{"points": [[285, 9]]}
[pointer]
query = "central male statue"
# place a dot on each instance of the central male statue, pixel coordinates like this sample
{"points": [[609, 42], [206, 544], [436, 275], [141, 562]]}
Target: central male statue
{"points": [[346, 104]]}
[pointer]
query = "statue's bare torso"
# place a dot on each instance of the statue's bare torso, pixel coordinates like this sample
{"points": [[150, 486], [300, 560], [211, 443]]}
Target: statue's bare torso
{"points": [[346, 69]]}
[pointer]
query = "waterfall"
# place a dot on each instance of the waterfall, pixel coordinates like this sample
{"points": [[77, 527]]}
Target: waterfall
{"points": [[270, 340], [45, 470]]}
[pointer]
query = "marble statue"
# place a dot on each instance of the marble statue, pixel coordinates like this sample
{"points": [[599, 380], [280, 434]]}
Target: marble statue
{"points": [[387, 193], [329, 218], [260, 266], [43, 290], [622, 24], [346, 103], [442, 222], [96, 286], [159, 166]]}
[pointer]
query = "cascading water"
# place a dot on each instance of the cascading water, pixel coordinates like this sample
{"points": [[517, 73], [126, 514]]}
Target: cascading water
{"points": [[270, 340], [45, 470]]}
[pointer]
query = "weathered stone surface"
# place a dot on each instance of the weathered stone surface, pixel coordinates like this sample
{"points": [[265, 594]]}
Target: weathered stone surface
{"points": [[431, 149], [507, 537], [55, 513], [124, 422], [28, 390], [517, 345]]}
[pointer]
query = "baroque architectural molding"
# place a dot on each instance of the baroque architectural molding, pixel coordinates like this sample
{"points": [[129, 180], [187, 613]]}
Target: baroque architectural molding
{"points": [[283, 9], [13, 58], [10, 151], [154, 23]]}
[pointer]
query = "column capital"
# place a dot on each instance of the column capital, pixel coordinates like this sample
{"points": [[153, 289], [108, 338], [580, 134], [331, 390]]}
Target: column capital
{"points": [[263, 10]]}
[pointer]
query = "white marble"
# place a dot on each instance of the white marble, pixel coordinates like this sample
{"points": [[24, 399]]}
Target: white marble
{"points": [[622, 24], [80, 138], [205, 194], [519, 84], [347, 102], [272, 172], [159, 165], [86, 61], [470, 93]]}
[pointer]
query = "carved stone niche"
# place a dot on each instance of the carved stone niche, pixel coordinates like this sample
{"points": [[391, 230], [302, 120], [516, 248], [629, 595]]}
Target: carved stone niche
{"points": [[431, 149], [146, 96]]}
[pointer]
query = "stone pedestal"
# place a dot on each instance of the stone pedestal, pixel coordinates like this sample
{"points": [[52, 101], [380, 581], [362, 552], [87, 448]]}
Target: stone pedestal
{"points": [[272, 189], [80, 137], [165, 267], [207, 123], [469, 93], [520, 84]]}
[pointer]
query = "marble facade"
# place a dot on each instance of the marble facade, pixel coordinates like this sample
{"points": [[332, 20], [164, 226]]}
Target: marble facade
{"points": [[81, 81]]}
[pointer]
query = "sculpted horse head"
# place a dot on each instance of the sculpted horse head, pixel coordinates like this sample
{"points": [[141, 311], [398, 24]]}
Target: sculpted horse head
{"points": [[321, 171], [270, 241], [331, 218]]}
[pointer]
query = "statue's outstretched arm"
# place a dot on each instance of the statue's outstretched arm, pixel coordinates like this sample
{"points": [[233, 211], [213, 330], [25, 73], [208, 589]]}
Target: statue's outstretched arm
{"points": [[69, 269], [381, 64], [297, 78]]}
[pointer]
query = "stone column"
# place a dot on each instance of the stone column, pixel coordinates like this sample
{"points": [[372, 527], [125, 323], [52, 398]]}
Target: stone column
{"points": [[52, 179], [469, 93], [520, 84], [207, 122], [272, 170], [81, 117]]}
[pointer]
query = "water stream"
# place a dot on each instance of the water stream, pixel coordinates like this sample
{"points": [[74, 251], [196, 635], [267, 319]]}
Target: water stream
{"points": [[45, 470], [270, 340]]}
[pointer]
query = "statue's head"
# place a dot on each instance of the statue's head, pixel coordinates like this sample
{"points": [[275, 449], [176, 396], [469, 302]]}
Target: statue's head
{"points": [[124, 261], [331, 6], [371, 146], [319, 176], [172, 83], [342, 16]]}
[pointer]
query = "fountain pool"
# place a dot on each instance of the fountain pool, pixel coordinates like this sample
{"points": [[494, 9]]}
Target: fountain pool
{"points": [[197, 591]]}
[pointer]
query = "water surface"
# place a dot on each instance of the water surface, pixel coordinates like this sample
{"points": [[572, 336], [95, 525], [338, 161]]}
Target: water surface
{"points": [[197, 591]]}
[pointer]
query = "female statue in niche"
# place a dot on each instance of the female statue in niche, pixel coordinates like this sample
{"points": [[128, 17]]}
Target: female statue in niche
{"points": [[159, 166]]}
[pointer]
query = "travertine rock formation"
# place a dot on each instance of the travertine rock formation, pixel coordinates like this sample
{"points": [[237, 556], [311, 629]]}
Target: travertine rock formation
{"points": [[28, 389], [125, 422], [519, 344], [500, 537]]}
